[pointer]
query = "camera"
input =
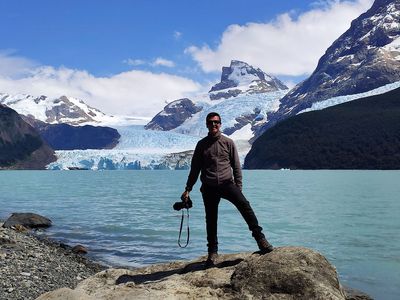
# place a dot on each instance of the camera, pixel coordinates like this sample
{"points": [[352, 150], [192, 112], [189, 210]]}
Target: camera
{"points": [[183, 204]]}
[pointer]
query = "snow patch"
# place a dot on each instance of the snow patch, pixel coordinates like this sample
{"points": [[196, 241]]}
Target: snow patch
{"points": [[393, 46], [245, 133], [342, 99]]}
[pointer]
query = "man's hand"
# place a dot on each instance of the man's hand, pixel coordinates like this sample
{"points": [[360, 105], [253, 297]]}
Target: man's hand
{"points": [[185, 196]]}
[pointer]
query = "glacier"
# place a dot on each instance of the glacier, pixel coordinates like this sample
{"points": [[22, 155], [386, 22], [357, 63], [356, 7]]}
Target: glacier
{"points": [[230, 109], [138, 149], [141, 149]]}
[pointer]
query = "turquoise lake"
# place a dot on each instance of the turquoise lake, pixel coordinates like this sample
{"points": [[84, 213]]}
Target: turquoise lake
{"points": [[125, 218]]}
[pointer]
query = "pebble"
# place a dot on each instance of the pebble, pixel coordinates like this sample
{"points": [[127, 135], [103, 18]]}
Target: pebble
{"points": [[31, 266]]}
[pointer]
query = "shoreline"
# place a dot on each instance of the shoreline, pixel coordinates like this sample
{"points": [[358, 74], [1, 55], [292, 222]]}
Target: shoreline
{"points": [[31, 265]]}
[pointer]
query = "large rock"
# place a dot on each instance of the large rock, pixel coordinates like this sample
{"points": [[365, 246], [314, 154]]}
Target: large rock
{"points": [[286, 273], [66, 294], [29, 220], [290, 273]]}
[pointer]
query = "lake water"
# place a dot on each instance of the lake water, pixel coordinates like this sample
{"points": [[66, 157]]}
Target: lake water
{"points": [[125, 218]]}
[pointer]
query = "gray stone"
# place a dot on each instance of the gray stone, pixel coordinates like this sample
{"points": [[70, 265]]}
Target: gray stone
{"points": [[288, 273], [79, 249], [29, 220], [285, 273], [354, 294]]}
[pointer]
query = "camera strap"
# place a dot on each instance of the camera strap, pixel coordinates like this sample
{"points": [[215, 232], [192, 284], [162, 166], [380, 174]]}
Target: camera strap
{"points": [[180, 230]]}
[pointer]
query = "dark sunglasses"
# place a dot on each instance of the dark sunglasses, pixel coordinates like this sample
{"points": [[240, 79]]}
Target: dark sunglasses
{"points": [[213, 122]]}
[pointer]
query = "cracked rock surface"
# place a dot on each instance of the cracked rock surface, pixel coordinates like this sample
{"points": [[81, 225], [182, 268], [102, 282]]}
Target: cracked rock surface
{"points": [[285, 273]]}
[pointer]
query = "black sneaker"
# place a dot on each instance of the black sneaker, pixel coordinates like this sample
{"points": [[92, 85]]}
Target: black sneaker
{"points": [[264, 246], [211, 259]]}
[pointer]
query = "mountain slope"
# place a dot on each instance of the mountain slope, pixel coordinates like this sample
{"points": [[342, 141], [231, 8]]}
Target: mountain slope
{"points": [[64, 109], [361, 134], [365, 57], [21, 147], [173, 115], [67, 137], [243, 97]]}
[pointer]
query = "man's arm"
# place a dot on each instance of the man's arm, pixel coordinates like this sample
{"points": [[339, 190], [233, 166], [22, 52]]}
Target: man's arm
{"points": [[236, 167], [195, 168]]}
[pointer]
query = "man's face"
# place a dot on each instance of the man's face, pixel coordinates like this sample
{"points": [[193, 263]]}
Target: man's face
{"points": [[214, 125]]}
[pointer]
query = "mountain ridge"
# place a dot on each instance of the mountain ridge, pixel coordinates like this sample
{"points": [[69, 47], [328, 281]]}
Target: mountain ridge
{"points": [[360, 134], [365, 57], [21, 147], [63, 109]]}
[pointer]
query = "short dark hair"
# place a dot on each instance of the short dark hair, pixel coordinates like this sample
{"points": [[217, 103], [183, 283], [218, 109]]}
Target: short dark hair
{"points": [[211, 115]]}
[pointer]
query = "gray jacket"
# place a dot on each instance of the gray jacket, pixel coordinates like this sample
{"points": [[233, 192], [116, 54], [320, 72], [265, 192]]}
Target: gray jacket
{"points": [[218, 160]]}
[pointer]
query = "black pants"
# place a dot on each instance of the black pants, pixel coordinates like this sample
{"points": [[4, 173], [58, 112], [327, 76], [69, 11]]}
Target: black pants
{"points": [[211, 198]]}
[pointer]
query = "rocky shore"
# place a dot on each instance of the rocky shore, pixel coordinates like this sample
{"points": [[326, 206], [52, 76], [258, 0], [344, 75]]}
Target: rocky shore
{"points": [[286, 273], [31, 265]]}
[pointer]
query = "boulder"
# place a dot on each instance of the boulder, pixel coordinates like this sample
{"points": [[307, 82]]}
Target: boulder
{"points": [[285, 273], [65, 294], [354, 294], [288, 273], [29, 220], [79, 249]]}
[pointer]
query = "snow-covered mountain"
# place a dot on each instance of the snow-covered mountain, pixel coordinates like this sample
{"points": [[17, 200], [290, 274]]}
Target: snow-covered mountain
{"points": [[241, 78], [243, 97], [365, 57], [64, 109]]}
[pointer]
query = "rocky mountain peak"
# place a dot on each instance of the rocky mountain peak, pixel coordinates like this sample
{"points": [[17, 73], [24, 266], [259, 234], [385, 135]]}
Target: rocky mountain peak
{"points": [[64, 109], [241, 77], [365, 57], [174, 114]]}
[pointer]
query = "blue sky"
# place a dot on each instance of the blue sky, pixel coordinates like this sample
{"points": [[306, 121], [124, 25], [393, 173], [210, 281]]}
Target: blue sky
{"points": [[131, 57]]}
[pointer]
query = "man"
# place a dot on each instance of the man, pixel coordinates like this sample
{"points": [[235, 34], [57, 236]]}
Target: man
{"points": [[216, 157]]}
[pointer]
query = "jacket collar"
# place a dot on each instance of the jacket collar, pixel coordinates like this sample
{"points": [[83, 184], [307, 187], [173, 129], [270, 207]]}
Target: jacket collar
{"points": [[214, 137]]}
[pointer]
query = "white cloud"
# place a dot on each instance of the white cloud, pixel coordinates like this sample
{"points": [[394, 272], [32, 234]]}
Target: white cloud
{"points": [[136, 93], [177, 35], [159, 61], [14, 66], [134, 62], [285, 46]]}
